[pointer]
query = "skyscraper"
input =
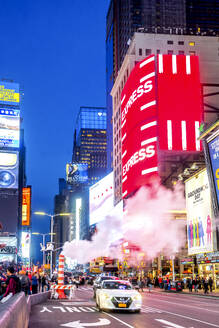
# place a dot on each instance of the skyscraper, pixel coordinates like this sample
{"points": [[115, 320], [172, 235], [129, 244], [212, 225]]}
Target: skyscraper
{"points": [[124, 17], [90, 141]]}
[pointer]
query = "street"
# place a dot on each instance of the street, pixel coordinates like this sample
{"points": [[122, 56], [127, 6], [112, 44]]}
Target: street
{"points": [[159, 310]]}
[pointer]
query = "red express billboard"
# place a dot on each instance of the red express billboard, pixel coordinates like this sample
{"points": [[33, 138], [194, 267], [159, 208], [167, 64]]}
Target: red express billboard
{"points": [[161, 110]]}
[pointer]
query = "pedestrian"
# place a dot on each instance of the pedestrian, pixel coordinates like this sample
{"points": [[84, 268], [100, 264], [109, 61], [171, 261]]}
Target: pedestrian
{"points": [[25, 282], [190, 284], [196, 284], [141, 284], [210, 282], [205, 286], [149, 284], [13, 284], [34, 283]]}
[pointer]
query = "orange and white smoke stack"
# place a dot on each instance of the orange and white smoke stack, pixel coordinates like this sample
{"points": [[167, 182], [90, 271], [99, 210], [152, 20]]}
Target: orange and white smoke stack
{"points": [[61, 270]]}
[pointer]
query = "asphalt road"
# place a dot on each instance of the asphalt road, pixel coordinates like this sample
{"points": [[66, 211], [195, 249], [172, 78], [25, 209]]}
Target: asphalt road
{"points": [[159, 310]]}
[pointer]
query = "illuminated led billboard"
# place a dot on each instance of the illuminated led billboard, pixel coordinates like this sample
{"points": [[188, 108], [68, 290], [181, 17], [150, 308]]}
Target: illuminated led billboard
{"points": [[101, 199], [161, 110], [9, 128], [26, 203], [76, 173], [25, 244], [9, 168], [179, 102], [213, 147], [199, 214], [9, 93]]}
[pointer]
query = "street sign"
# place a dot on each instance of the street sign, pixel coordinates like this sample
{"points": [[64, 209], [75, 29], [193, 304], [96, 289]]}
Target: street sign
{"points": [[79, 324]]}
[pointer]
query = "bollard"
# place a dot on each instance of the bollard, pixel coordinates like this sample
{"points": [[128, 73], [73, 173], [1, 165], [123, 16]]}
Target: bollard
{"points": [[61, 276]]}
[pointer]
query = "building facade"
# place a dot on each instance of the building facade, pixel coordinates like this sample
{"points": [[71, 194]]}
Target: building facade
{"points": [[144, 44], [124, 18]]}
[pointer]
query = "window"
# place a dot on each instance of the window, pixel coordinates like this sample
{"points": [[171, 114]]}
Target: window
{"points": [[192, 53], [170, 52], [140, 52], [181, 52], [158, 51], [169, 42], [147, 52], [192, 44], [181, 43]]}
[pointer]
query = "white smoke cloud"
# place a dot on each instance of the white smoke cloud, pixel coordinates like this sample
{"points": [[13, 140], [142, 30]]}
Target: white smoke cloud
{"points": [[147, 224]]}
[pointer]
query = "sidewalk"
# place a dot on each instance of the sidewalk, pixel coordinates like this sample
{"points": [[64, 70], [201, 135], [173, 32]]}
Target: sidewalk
{"points": [[200, 293]]}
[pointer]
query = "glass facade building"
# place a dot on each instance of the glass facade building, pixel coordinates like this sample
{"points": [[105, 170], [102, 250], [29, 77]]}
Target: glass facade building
{"points": [[90, 141]]}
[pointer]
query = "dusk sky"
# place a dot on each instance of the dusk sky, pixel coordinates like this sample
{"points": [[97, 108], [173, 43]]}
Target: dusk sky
{"points": [[56, 51]]}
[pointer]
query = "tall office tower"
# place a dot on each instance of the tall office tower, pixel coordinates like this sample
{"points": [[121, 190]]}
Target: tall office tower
{"points": [[90, 141], [125, 17], [202, 17]]}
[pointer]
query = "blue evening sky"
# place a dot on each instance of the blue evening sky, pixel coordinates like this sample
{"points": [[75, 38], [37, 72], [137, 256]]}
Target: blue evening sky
{"points": [[56, 51]]}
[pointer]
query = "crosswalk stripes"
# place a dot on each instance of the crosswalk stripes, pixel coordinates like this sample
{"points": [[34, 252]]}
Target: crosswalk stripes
{"points": [[147, 309]]}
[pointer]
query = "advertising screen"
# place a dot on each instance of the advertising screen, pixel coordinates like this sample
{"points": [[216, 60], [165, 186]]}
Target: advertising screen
{"points": [[101, 199], [9, 212], [139, 127], [213, 147], [9, 168], [26, 205], [161, 110], [199, 214], [180, 109], [9, 93], [25, 244], [76, 173], [9, 128], [8, 249]]}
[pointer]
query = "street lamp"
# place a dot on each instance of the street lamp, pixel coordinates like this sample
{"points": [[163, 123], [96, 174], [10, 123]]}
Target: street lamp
{"points": [[52, 222], [44, 246]]}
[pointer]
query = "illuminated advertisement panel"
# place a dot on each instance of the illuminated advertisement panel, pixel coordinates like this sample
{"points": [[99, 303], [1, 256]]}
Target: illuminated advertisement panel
{"points": [[179, 97], [199, 214], [9, 128], [9, 93], [161, 110], [101, 199], [25, 244], [26, 201], [76, 173], [139, 127], [8, 249], [9, 168], [213, 147]]}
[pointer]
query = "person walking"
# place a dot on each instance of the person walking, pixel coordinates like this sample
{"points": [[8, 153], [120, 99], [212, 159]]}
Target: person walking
{"points": [[34, 283], [206, 286], [141, 284], [13, 284], [25, 282], [210, 282]]}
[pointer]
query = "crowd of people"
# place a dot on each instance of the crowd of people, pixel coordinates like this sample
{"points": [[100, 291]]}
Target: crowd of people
{"points": [[13, 280], [197, 284]]}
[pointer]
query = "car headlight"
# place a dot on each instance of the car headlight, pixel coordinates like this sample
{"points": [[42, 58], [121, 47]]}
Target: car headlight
{"points": [[137, 297], [105, 296]]}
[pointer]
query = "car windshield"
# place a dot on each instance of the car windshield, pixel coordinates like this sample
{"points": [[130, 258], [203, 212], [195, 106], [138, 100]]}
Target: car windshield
{"points": [[116, 285]]}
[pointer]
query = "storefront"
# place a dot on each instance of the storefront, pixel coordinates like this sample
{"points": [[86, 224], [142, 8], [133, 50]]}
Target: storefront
{"points": [[8, 249], [208, 266]]}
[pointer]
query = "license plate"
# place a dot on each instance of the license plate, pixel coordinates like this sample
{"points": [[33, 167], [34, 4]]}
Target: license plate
{"points": [[122, 305]]}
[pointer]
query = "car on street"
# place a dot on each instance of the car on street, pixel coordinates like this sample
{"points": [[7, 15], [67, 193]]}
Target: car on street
{"points": [[118, 295], [98, 282]]}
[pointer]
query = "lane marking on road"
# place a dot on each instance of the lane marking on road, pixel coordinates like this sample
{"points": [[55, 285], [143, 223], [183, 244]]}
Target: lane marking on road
{"points": [[190, 306], [78, 324], [147, 309], [78, 303], [169, 324], [71, 309], [123, 322], [193, 319]]}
